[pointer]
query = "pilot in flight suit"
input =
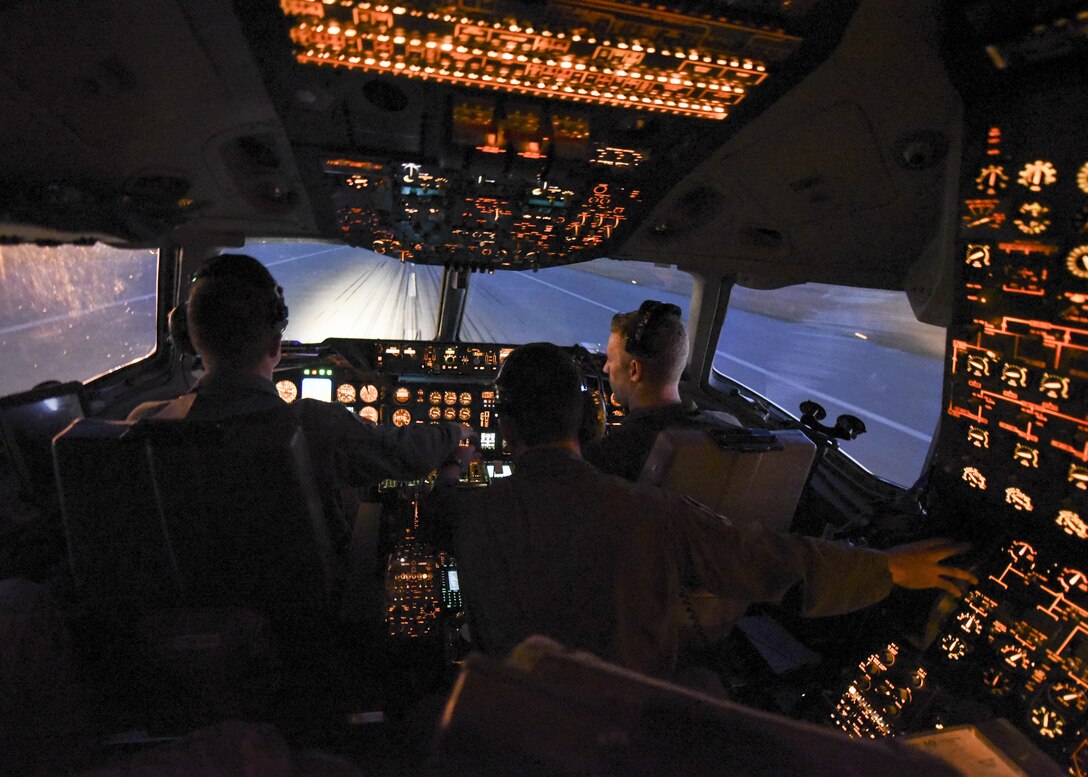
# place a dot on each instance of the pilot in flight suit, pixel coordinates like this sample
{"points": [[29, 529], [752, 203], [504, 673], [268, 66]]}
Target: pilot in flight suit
{"points": [[597, 563], [235, 316]]}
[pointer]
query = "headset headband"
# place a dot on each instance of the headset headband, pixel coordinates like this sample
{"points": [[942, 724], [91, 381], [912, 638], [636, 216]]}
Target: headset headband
{"points": [[637, 342]]}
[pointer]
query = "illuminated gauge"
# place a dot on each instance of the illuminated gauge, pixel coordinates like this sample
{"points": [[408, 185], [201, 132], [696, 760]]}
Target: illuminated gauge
{"points": [[465, 414], [1054, 386], [1072, 524], [434, 413], [996, 681], [1035, 175], [345, 393], [450, 414], [954, 647], [450, 397], [979, 366], [1014, 375], [368, 393], [1018, 499], [287, 390], [401, 417], [1047, 722], [1077, 261], [369, 413], [1078, 476], [613, 401], [402, 395], [969, 622], [435, 397], [465, 398], [1016, 656], [978, 256], [980, 438], [1072, 580], [1082, 178], [992, 179], [1068, 696], [1026, 456]]}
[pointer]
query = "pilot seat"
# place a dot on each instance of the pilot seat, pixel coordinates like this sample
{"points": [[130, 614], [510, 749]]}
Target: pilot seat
{"points": [[201, 553]]}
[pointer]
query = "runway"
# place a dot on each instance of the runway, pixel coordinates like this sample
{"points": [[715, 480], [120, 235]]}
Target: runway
{"points": [[806, 348]]}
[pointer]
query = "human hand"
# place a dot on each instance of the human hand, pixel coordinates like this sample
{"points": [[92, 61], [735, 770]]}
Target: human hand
{"points": [[918, 565]]}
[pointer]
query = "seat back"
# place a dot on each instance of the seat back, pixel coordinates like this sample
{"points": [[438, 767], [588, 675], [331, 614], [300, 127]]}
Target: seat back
{"points": [[162, 513], [240, 505], [749, 476], [118, 547]]}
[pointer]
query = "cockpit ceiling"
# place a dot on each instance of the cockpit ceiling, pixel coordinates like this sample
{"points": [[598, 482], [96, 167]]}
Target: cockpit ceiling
{"points": [[145, 117]]}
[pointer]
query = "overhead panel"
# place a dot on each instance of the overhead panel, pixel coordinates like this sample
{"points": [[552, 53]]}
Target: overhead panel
{"points": [[546, 129]]}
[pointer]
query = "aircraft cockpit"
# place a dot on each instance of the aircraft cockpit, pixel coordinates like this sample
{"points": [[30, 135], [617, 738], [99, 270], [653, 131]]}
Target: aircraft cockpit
{"points": [[873, 217]]}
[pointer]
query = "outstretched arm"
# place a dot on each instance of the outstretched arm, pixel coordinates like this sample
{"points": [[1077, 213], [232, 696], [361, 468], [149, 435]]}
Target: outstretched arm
{"points": [[918, 565]]}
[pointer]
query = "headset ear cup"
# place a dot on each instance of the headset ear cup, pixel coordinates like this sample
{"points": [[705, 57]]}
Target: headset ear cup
{"points": [[178, 325]]}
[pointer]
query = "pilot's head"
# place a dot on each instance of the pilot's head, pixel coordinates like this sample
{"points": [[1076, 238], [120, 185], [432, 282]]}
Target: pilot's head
{"points": [[236, 313], [539, 396], [647, 351]]}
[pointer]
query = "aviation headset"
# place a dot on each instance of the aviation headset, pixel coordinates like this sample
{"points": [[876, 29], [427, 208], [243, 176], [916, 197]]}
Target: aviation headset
{"points": [[638, 341], [241, 267], [519, 395]]}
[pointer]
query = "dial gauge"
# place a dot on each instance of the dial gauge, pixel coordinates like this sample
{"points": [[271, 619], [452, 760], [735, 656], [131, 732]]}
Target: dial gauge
{"points": [[1047, 722], [435, 397], [954, 647], [1068, 696], [368, 393], [978, 255], [1077, 261], [1035, 175], [450, 414], [370, 414], [401, 417], [465, 414], [465, 398], [345, 393], [1082, 178], [287, 390], [996, 681], [402, 395], [450, 397], [970, 622], [1016, 656], [434, 413]]}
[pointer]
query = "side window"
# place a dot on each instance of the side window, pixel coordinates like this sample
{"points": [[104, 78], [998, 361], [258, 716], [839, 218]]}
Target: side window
{"points": [[73, 312], [856, 351]]}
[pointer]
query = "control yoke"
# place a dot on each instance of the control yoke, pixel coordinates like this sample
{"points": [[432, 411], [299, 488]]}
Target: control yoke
{"points": [[847, 427]]}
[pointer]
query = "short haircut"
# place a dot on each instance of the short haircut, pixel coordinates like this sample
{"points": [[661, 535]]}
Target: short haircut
{"points": [[235, 310], [539, 388], [662, 337]]}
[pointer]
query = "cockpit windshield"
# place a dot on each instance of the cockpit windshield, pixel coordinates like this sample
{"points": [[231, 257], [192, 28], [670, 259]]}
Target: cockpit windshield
{"points": [[338, 291], [73, 312]]}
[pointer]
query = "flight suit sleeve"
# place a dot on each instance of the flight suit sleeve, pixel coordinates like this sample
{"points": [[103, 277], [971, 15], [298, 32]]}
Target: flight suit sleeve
{"points": [[364, 453], [760, 565]]}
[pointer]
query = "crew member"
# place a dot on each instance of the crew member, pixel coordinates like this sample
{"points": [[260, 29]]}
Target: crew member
{"points": [[234, 317], [597, 563], [646, 354]]}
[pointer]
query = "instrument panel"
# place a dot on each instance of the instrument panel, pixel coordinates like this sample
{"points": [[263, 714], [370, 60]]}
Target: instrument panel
{"points": [[1010, 469], [401, 383], [1017, 648]]}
